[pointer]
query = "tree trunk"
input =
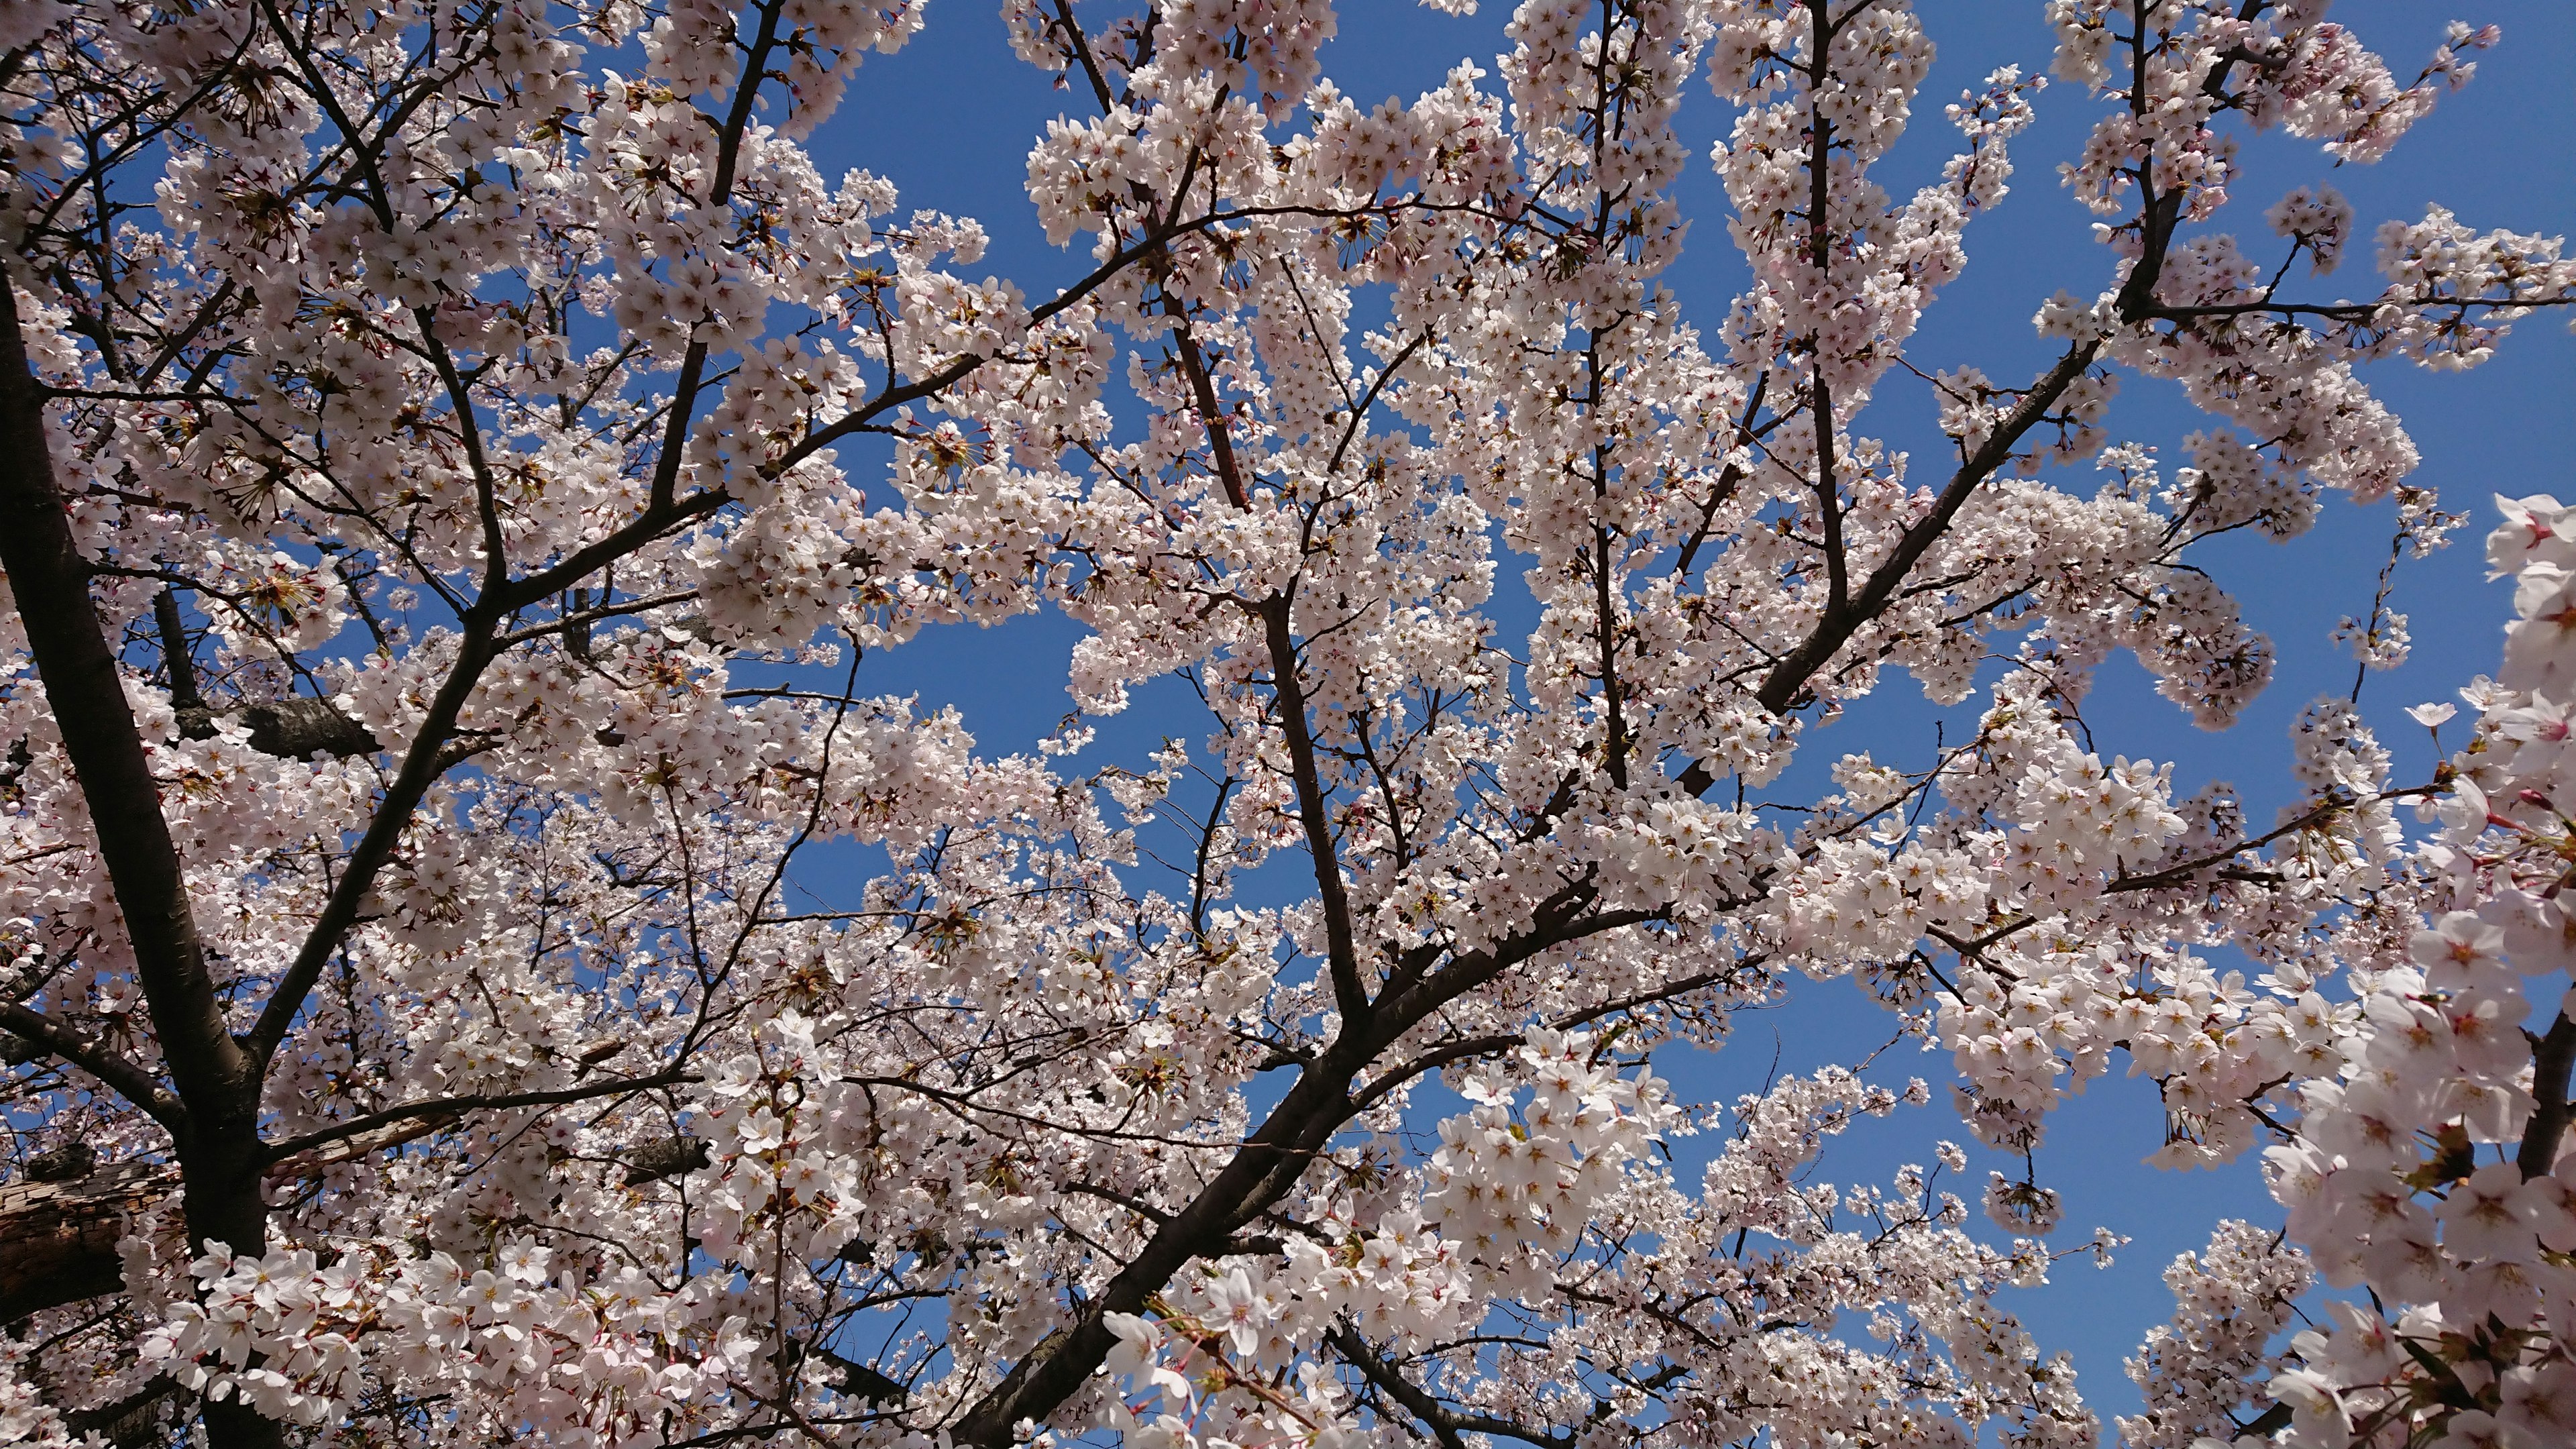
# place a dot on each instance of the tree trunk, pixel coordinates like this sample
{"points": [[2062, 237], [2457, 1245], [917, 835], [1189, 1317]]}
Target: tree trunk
{"points": [[58, 1239], [216, 1084]]}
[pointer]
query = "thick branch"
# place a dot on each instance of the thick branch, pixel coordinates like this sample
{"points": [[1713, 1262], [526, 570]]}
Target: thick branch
{"points": [[1262, 1169], [2551, 1058], [693, 364], [293, 729], [131, 1082], [1835, 626], [85, 692], [1340, 947], [58, 1239], [426, 760], [1614, 743], [174, 652], [1460, 1050], [1820, 398], [1203, 393]]}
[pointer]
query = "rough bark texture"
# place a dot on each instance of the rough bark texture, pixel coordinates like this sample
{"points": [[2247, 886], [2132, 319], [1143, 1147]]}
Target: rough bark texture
{"points": [[291, 728], [58, 1239], [217, 1132]]}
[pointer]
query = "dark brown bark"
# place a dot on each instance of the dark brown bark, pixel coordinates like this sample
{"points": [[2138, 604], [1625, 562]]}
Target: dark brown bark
{"points": [[217, 1135], [58, 1239], [293, 729], [1263, 1168], [175, 658], [1448, 1425], [666, 1157], [2552, 1058], [86, 695], [1784, 686]]}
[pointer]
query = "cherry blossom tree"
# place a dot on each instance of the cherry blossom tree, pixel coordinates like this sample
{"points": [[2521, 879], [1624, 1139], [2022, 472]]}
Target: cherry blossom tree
{"points": [[456, 454]]}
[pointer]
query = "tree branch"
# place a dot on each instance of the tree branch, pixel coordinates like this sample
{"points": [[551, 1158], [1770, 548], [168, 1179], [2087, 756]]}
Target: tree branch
{"points": [[1340, 946], [1448, 1424], [1264, 1166], [458, 1106], [2551, 1058], [1835, 626], [85, 691], [131, 1082]]}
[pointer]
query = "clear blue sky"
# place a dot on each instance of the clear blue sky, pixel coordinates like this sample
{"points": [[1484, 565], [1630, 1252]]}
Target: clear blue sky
{"points": [[950, 120]]}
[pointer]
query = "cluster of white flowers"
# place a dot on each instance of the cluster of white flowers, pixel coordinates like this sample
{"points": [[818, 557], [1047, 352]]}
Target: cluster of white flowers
{"points": [[2230, 1306], [1506, 1179], [2431, 1162]]}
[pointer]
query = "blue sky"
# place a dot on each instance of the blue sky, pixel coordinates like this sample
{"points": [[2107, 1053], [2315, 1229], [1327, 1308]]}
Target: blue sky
{"points": [[950, 120]]}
